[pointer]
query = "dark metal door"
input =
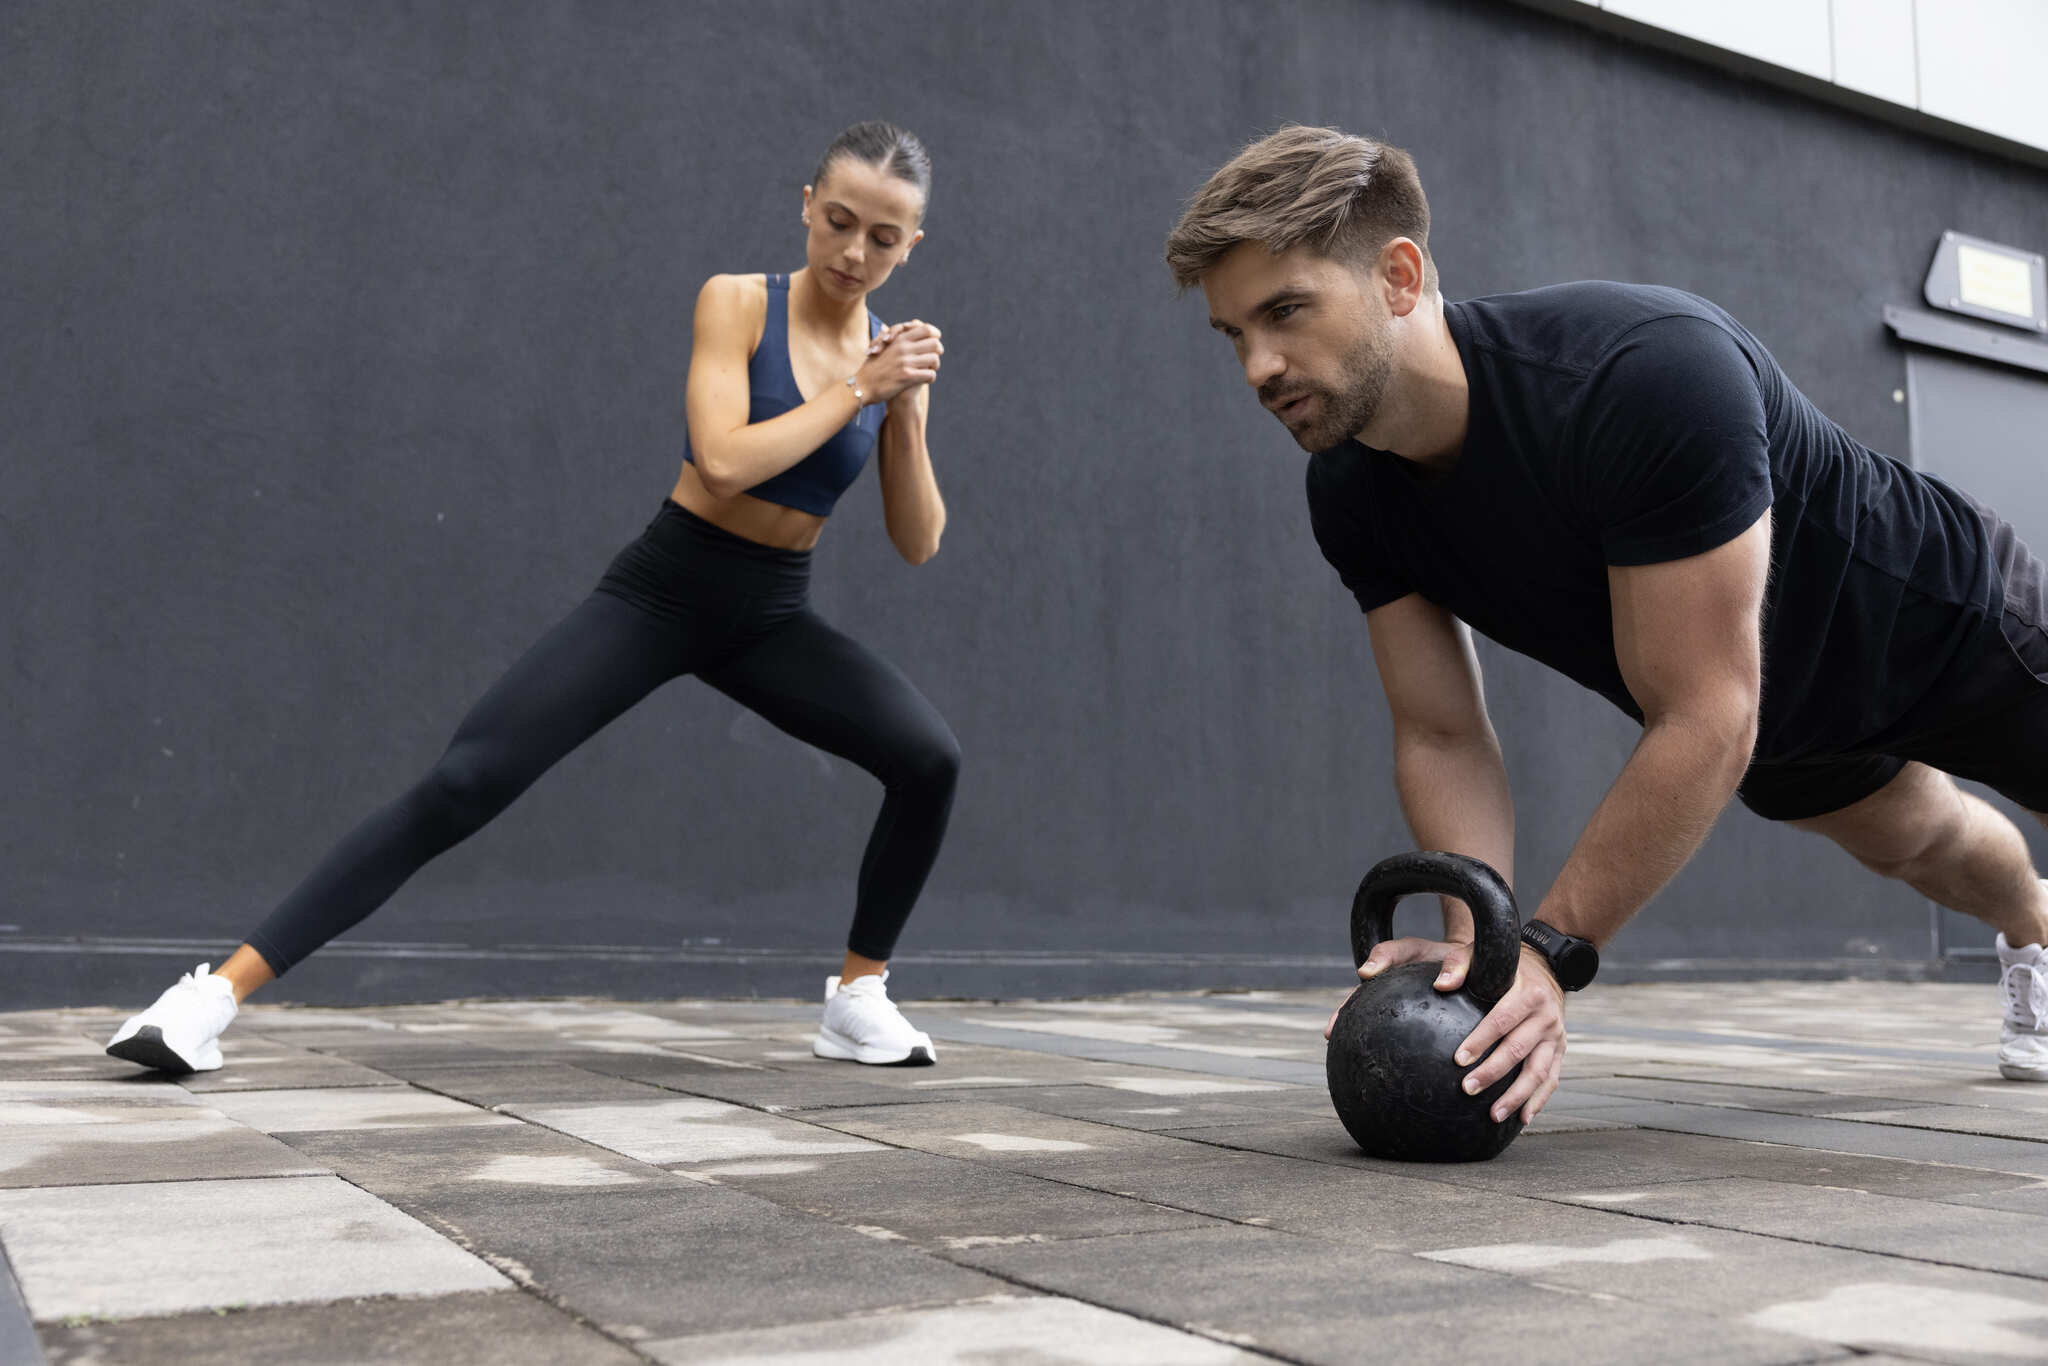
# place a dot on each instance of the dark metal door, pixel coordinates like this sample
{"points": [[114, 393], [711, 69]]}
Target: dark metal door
{"points": [[1984, 427]]}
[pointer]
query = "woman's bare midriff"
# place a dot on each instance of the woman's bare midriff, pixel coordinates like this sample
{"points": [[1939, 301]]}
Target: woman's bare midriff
{"points": [[750, 519]]}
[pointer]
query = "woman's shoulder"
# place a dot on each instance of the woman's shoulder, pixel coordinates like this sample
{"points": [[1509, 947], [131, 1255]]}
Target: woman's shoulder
{"points": [[734, 289], [735, 306]]}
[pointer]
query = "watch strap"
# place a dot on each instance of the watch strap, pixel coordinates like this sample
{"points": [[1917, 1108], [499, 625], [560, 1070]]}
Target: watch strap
{"points": [[1573, 961]]}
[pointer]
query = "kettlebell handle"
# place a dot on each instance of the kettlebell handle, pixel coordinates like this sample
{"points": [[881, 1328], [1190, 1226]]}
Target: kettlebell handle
{"points": [[1497, 924]]}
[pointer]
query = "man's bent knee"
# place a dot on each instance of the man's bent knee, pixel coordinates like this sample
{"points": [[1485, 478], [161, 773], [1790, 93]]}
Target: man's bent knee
{"points": [[1903, 824]]}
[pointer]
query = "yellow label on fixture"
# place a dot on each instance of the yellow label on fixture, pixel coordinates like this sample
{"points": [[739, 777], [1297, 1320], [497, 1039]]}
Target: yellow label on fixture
{"points": [[1994, 280]]}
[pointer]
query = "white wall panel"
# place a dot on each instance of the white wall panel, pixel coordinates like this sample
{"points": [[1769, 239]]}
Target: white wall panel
{"points": [[1982, 64], [1787, 33], [1874, 49]]}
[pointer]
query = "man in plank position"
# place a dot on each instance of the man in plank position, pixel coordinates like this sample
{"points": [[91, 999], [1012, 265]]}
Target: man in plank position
{"points": [[1619, 481]]}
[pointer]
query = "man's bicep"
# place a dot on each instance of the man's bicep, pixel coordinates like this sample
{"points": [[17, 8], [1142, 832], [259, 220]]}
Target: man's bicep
{"points": [[1428, 669], [1688, 632]]}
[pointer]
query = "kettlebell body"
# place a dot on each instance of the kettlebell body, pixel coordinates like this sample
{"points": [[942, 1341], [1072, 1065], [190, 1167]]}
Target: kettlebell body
{"points": [[1390, 1068]]}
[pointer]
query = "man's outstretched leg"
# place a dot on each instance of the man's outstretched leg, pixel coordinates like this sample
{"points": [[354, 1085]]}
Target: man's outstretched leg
{"points": [[1957, 850]]}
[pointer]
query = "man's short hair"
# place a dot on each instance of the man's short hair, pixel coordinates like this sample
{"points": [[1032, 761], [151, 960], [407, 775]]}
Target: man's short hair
{"points": [[1340, 195]]}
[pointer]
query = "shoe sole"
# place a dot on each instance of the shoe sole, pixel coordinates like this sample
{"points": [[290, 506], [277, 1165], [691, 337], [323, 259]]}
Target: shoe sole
{"points": [[2013, 1071], [836, 1048], [147, 1047]]}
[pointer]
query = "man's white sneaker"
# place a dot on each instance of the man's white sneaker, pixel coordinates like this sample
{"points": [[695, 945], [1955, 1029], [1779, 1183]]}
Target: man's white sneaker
{"points": [[181, 1032], [2023, 981], [863, 1025]]}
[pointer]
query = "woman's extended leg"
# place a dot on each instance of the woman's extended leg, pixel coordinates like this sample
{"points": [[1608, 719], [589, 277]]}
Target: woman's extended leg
{"points": [[593, 665], [598, 661]]}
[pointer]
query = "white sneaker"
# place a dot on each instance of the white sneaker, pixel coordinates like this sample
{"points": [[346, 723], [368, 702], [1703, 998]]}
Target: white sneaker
{"points": [[863, 1025], [2023, 1042], [181, 1032]]}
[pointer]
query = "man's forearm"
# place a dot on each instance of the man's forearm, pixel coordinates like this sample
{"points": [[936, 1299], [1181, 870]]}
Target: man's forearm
{"points": [[1454, 793], [1652, 820]]}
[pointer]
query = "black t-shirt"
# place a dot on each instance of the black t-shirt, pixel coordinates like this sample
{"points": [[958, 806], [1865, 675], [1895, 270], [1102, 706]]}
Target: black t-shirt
{"points": [[1616, 424]]}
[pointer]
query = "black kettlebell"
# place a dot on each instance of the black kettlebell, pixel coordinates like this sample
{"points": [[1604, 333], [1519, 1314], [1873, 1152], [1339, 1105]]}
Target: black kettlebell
{"points": [[1390, 1065]]}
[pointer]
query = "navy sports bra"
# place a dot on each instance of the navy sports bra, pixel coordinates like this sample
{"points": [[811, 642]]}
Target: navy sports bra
{"points": [[814, 483]]}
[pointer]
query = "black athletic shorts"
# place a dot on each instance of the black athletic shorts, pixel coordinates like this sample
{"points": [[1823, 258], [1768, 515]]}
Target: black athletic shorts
{"points": [[1987, 721]]}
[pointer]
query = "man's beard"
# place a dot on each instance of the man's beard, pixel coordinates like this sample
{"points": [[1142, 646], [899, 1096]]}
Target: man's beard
{"points": [[1341, 414]]}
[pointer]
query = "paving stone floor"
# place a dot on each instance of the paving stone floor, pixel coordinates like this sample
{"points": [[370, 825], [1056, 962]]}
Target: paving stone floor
{"points": [[1777, 1172]]}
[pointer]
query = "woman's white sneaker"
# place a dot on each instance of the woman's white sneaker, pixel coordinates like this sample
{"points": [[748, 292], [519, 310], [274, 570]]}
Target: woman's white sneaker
{"points": [[862, 1024], [2023, 1041], [181, 1032]]}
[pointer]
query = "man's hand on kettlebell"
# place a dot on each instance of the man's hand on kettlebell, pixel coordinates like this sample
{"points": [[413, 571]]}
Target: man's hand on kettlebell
{"points": [[1529, 1023], [1457, 957]]}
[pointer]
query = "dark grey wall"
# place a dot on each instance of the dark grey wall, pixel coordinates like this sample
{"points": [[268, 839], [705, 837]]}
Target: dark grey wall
{"points": [[344, 344]]}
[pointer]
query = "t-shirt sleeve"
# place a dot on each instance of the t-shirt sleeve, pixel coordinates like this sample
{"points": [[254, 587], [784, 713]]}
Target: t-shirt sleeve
{"points": [[1347, 544], [1671, 444]]}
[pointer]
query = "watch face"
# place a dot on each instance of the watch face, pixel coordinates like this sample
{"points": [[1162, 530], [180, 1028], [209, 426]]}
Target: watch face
{"points": [[1572, 960]]}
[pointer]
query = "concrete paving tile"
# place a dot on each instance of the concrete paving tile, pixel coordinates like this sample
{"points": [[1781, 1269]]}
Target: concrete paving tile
{"points": [[1378, 1208], [1125, 1110], [680, 1130], [147, 1089], [1832, 1295], [93, 1065], [1037, 1329], [1556, 1121], [673, 1259], [662, 1069], [238, 1243], [945, 1203], [2031, 1198], [1004, 1135], [1954, 1119], [1563, 1164], [1313, 1138], [382, 1053], [1992, 1091], [15, 1114], [175, 1143], [85, 1102], [1179, 1086], [292, 1070], [1838, 1135], [1983, 1239], [280, 1112], [1584, 1095], [528, 1083], [1945, 1325], [1301, 1298], [1790, 1100], [788, 1087], [475, 1328], [1298, 1067], [313, 1019], [50, 1046], [411, 1162], [997, 1066], [573, 1020], [1981, 1107]]}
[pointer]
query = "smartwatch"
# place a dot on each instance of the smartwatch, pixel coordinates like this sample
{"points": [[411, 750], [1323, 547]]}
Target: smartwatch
{"points": [[1572, 960]]}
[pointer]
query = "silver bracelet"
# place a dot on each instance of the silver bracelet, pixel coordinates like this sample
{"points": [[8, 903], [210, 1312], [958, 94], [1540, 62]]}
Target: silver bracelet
{"points": [[853, 383]]}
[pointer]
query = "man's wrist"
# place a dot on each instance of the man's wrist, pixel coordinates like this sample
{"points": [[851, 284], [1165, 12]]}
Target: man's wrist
{"points": [[1571, 961]]}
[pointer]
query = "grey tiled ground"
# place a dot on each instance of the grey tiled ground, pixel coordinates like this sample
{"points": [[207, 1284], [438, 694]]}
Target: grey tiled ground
{"points": [[1745, 1173]]}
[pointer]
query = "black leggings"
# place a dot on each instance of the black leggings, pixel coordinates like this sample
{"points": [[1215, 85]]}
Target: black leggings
{"points": [[684, 598]]}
